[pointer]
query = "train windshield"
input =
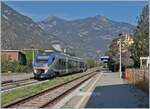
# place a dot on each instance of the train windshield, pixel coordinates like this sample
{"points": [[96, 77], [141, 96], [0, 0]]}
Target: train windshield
{"points": [[44, 59]]}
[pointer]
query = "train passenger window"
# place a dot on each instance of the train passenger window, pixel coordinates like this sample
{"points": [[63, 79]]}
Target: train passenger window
{"points": [[59, 61], [63, 63]]}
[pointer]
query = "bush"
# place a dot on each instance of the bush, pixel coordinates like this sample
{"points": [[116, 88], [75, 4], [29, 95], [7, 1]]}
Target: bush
{"points": [[90, 62], [9, 65]]}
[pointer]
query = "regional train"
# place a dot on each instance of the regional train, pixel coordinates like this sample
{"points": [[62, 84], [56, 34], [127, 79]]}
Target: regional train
{"points": [[50, 64]]}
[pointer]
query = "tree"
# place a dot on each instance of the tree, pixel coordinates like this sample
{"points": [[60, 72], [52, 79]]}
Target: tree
{"points": [[90, 62], [140, 46]]}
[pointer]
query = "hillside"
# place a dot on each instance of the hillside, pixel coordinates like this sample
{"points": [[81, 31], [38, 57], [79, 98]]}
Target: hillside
{"points": [[90, 35]]}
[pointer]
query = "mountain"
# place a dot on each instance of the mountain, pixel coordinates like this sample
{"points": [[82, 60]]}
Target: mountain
{"points": [[19, 31], [88, 36], [85, 37]]}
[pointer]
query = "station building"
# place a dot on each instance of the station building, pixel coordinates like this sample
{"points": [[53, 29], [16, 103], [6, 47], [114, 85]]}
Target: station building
{"points": [[105, 60], [14, 55]]}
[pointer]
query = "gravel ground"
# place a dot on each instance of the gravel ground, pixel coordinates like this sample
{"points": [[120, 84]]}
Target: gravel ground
{"points": [[16, 76]]}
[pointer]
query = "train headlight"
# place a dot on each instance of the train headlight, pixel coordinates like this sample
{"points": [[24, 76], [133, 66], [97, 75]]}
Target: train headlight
{"points": [[35, 71], [45, 70]]}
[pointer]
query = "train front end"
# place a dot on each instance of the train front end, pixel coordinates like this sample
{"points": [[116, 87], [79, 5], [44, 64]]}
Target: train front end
{"points": [[42, 66]]}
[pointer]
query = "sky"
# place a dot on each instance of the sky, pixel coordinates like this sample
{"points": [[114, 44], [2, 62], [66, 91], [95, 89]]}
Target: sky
{"points": [[122, 11]]}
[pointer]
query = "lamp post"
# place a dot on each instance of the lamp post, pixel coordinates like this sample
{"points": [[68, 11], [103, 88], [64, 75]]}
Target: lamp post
{"points": [[120, 69], [120, 60], [33, 55]]}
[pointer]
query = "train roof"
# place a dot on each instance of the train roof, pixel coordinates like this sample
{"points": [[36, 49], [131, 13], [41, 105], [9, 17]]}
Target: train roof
{"points": [[62, 55], [70, 57]]}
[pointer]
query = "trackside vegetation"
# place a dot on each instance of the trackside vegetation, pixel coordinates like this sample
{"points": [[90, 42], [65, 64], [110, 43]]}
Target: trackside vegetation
{"points": [[140, 47], [7, 65]]}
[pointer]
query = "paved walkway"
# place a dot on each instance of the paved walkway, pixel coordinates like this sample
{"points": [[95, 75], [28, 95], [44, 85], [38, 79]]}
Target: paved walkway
{"points": [[105, 90], [114, 92]]}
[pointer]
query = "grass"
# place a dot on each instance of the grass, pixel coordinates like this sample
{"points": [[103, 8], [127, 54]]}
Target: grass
{"points": [[8, 97]]}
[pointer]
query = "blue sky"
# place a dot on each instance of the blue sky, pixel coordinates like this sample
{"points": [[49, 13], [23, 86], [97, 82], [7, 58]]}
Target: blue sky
{"points": [[123, 11]]}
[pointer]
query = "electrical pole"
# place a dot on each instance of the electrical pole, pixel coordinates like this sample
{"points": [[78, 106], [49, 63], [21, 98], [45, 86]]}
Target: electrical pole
{"points": [[32, 55]]}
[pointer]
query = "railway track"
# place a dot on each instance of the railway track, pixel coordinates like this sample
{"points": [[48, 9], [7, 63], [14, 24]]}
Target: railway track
{"points": [[50, 96], [16, 84]]}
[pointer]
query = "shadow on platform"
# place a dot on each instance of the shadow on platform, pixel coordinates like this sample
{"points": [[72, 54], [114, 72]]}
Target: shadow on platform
{"points": [[117, 96]]}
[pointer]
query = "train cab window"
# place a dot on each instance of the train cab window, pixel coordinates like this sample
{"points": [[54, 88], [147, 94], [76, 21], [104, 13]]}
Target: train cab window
{"points": [[42, 59], [51, 59]]}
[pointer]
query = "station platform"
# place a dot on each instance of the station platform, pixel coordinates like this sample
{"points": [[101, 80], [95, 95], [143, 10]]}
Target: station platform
{"points": [[105, 90]]}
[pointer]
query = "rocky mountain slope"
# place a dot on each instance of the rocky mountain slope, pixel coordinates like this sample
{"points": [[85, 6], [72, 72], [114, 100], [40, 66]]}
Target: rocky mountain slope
{"points": [[90, 35], [19, 31]]}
